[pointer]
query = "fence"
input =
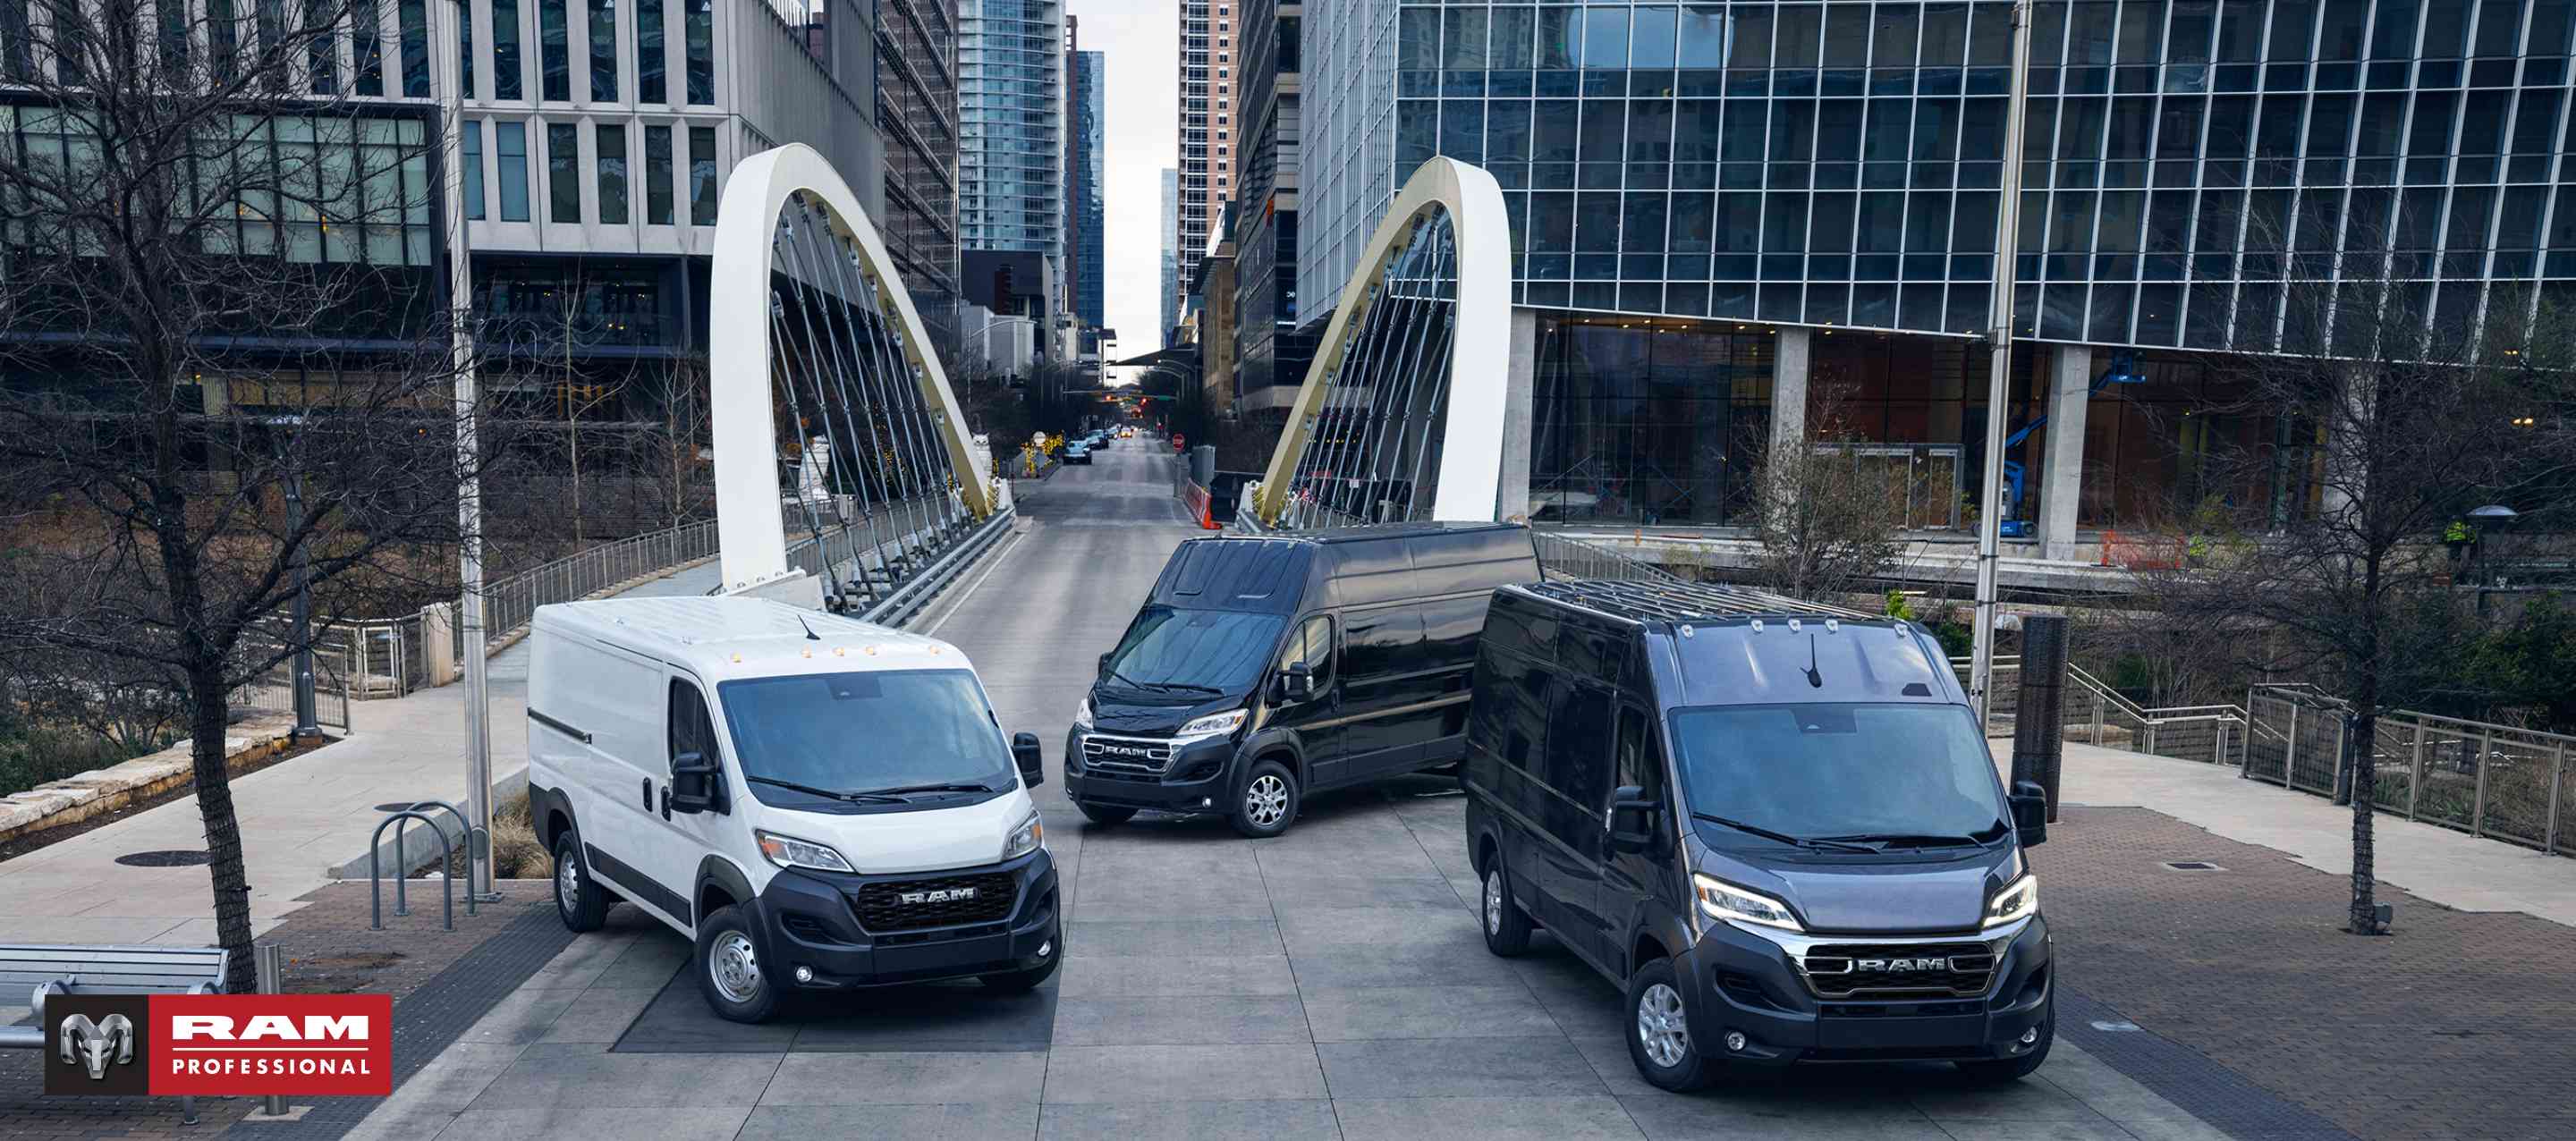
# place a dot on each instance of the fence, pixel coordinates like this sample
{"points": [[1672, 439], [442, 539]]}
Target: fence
{"points": [[2097, 714], [1561, 557], [2485, 779], [274, 691]]}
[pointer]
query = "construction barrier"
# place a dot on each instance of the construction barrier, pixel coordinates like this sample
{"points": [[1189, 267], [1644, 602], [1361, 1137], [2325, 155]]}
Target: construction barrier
{"points": [[1195, 498]]}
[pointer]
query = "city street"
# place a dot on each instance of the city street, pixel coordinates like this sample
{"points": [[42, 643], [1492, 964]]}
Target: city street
{"points": [[1327, 983]]}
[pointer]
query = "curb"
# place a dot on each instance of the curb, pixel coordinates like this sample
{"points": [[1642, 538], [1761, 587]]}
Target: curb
{"points": [[80, 796]]}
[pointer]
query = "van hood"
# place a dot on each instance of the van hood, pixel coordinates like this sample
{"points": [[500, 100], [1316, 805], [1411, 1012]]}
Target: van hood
{"points": [[1153, 715], [1906, 892], [932, 839]]}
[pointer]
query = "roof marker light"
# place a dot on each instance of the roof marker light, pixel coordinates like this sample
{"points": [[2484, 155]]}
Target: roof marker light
{"points": [[1833, 625], [737, 658], [1793, 625], [840, 651], [1686, 631], [1757, 625]]}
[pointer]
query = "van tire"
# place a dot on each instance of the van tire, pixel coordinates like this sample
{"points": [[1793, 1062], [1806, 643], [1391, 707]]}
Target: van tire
{"points": [[2004, 1070], [1022, 982], [1268, 803], [725, 934], [1105, 815], [1506, 926], [1654, 998], [580, 901]]}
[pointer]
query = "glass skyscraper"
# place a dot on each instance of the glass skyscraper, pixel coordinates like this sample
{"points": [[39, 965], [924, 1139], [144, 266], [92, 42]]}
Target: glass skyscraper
{"points": [[1089, 73], [1011, 115], [1699, 191]]}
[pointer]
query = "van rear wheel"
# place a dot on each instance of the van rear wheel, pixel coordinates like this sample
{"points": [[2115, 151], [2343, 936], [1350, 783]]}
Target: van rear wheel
{"points": [[1659, 1039], [1268, 803], [1507, 927], [1106, 816], [580, 901]]}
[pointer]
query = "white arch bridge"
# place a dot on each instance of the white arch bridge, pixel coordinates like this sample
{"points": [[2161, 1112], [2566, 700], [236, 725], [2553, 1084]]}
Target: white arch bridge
{"points": [[844, 473]]}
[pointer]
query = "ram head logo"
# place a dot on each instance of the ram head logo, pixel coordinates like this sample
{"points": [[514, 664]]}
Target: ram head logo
{"points": [[97, 1045]]}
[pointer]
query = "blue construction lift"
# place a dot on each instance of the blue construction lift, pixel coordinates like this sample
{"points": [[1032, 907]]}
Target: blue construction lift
{"points": [[2123, 370]]}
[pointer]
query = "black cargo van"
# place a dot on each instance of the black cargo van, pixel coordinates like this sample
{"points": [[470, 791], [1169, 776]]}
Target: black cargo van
{"points": [[1265, 669], [1774, 824]]}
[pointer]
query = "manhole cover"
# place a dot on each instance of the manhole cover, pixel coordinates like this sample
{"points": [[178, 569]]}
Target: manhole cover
{"points": [[2192, 866], [173, 858]]}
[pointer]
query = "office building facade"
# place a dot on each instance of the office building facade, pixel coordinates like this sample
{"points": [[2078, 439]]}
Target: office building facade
{"points": [[1085, 270], [1271, 348], [916, 112], [1721, 208], [1011, 111], [1171, 257], [1207, 131]]}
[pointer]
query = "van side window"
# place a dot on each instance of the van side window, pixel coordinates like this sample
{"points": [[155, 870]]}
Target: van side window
{"points": [[691, 730], [1578, 760], [1638, 764], [1313, 645]]}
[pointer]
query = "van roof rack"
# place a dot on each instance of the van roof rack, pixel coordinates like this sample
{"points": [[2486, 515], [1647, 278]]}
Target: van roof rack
{"points": [[1684, 602]]}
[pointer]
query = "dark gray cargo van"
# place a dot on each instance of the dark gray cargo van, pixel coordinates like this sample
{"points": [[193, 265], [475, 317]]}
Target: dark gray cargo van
{"points": [[1264, 669], [1775, 824]]}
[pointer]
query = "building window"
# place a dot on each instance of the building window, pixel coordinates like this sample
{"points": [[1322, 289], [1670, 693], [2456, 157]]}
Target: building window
{"points": [[464, 50], [657, 176], [603, 51], [511, 145], [321, 55], [505, 51], [370, 38], [414, 15], [702, 174], [563, 173], [611, 143], [649, 86], [702, 51], [473, 148], [551, 34]]}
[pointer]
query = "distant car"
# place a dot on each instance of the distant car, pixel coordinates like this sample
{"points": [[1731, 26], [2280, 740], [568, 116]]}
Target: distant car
{"points": [[1077, 453]]}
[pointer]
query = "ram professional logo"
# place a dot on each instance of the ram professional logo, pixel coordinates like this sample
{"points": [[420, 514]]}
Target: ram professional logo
{"points": [[941, 895], [1126, 750], [95, 1046], [1895, 965]]}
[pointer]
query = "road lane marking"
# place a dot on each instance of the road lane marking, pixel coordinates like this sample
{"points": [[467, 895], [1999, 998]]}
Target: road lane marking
{"points": [[971, 588]]}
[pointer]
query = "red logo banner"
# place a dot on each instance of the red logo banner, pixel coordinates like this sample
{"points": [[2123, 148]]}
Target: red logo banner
{"points": [[250, 1045]]}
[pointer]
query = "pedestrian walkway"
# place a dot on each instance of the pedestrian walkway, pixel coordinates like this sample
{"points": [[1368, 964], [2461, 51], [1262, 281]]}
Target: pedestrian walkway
{"points": [[2448, 867], [301, 820]]}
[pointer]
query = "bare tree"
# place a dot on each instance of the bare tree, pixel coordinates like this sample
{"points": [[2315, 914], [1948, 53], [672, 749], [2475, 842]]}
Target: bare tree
{"points": [[2400, 419], [1827, 524], [205, 216]]}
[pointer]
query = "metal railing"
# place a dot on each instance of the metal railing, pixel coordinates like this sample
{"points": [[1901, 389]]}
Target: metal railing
{"points": [[2097, 714], [2479, 777], [1562, 558], [274, 691]]}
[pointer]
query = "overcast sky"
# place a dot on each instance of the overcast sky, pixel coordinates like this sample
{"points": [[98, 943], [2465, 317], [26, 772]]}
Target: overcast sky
{"points": [[1142, 41]]}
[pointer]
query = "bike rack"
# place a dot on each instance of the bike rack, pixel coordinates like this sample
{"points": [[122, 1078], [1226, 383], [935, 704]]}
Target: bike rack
{"points": [[402, 852], [375, 874]]}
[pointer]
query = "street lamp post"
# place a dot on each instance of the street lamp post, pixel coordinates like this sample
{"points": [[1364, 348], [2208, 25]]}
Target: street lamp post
{"points": [[450, 65], [1981, 668]]}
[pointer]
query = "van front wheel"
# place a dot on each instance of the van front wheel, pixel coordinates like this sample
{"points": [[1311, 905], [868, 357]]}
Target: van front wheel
{"points": [[1268, 802], [1659, 1040], [731, 976]]}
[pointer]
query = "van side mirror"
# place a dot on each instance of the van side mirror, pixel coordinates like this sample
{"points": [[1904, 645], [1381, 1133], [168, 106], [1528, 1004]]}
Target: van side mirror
{"points": [[693, 784], [1298, 683], [1032, 762], [2030, 813], [1632, 820], [1102, 668]]}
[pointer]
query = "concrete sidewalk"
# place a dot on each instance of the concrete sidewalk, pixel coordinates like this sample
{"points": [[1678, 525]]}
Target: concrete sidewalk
{"points": [[2451, 868], [301, 820]]}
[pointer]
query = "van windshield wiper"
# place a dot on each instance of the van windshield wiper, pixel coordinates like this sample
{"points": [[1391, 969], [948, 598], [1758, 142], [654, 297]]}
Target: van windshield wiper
{"points": [[828, 794], [1822, 845], [1887, 840], [1132, 683], [913, 788]]}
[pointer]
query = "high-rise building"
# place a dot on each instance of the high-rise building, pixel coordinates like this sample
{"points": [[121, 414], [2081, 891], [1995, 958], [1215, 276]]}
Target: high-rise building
{"points": [[1171, 256], [1011, 115], [1089, 73], [1721, 209], [1271, 351], [916, 112], [1207, 127]]}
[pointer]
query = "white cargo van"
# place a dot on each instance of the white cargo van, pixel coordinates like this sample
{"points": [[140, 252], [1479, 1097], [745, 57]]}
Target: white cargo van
{"points": [[820, 803]]}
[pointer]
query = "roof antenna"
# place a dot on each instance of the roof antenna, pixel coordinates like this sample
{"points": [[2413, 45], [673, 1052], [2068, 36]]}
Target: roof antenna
{"points": [[811, 636], [1814, 678]]}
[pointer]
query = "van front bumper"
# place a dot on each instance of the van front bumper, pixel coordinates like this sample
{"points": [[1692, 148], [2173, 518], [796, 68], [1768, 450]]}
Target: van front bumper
{"points": [[847, 930], [1198, 778], [1745, 980]]}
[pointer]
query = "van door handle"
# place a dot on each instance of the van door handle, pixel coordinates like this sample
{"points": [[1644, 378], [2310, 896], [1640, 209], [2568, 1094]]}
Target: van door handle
{"points": [[648, 794], [666, 802]]}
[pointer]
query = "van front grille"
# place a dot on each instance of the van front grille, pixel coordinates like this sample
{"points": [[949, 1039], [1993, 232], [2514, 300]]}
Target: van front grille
{"points": [[946, 901], [1891, 969], [1141, 755]]}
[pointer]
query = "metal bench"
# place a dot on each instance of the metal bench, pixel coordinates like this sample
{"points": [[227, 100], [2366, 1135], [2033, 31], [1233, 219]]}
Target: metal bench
{"points": [[49, 968]]}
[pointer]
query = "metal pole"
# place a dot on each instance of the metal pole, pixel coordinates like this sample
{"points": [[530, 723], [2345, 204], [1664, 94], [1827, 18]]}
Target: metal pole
{"points": [[469, 483], [2557, 781], [1999, 381], [2290, 751], [2478, 812], [2415, 772], [302, 611]]}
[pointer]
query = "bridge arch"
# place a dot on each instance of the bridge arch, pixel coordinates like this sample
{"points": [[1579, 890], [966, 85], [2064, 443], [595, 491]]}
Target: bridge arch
{"points": [[806, 308], [1410, 380]]}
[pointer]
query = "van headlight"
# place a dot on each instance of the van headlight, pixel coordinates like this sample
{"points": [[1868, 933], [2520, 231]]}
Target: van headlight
{"points": [[1082, 716], [790, 852], [1722, 900], [1212, 725], [1028, 837], [2016, 900]]}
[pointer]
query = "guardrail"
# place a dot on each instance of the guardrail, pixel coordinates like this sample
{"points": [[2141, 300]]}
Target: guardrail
{"points": [[907, 600], [1561, 557]]}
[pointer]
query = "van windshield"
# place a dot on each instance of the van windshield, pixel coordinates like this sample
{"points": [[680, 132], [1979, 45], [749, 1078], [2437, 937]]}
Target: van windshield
{"points": [[847, 733], [1890, 772], [1209, 652]]}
